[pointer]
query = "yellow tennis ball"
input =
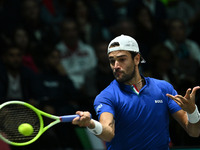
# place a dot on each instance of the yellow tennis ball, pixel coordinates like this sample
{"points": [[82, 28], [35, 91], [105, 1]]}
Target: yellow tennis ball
{"points": [[25, 129]]}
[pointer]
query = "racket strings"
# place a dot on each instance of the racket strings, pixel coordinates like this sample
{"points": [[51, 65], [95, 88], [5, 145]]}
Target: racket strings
{"points": [[12, 116]]}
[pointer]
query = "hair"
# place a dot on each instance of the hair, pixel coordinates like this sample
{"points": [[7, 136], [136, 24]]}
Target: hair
{"points": [[22, 2], [115, 44], [138, 10], [47, 50], [133, 54], [67, 20]]}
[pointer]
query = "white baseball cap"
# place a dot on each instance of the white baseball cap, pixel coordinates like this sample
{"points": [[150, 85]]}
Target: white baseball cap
{"points": [[124, 42]]}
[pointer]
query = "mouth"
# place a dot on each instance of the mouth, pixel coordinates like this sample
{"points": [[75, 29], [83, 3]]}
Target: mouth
{"points": [[117, 74]]}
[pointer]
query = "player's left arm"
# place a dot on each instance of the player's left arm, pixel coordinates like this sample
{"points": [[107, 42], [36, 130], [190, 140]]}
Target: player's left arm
{"points": [[188, 117]]}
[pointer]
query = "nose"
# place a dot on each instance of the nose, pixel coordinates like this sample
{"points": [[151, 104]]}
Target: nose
{"points": [[116, 65]]}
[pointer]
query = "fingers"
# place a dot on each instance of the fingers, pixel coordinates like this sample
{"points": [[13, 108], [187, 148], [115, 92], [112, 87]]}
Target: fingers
{"points": [[185, 103], [75, 121], [80, 113], [83, 120], [187, 94], [170, 96], [194, 90], [180, 100]]}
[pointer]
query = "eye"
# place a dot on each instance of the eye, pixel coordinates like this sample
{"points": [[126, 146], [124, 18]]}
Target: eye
{"points": [[122, 59], [112, 62]]}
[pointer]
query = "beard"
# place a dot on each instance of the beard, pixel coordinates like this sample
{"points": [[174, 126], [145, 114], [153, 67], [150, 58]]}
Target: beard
{"points": [[124, 77]]}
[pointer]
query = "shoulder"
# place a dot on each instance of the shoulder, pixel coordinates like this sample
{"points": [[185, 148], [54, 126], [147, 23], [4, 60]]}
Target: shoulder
{"points": [[61, 46], [85, 47], [192, 43], [105, 101], [162, 84], [158, 81], [168, 43]]}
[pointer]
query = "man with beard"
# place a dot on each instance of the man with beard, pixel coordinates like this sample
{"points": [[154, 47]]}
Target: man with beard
{"points": [[133, 111]]}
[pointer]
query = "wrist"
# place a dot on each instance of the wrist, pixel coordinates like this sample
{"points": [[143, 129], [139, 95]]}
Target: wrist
{"points": [[192, 109], [91, 124], [95, 127], [194, 117]]}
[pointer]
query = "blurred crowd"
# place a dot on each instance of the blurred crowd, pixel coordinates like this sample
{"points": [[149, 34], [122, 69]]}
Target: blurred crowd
{"points": [[53, 54]]}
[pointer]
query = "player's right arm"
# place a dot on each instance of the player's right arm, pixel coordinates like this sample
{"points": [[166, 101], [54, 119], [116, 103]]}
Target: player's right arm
{"points": [[108, 124], [106, 120]]}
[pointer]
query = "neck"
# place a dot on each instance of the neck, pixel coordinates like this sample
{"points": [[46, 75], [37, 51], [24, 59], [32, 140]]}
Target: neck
{"points": [[137, 80], [136, 77], [72, 45], [140, 83]]}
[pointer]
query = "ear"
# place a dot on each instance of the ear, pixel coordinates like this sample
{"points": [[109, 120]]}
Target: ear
{"points": [[137, 59]]}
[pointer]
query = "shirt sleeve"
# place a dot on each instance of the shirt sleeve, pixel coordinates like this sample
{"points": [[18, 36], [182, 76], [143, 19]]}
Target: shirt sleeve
{"points": [[103, 103], [172, 105]]}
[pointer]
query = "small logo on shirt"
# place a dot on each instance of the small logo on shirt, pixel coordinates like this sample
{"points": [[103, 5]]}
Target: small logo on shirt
{"points": [[158, 101], [98, 107]]}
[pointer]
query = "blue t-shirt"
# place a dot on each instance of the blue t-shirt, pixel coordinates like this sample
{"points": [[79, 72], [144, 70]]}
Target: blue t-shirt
{"points": [[141, 120]]}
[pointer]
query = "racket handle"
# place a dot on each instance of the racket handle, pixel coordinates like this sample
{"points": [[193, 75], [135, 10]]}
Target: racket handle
{"points": [[68, 118]]}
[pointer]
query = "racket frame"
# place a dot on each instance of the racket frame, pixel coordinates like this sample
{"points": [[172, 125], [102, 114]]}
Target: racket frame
{"points": [[39, 114]]}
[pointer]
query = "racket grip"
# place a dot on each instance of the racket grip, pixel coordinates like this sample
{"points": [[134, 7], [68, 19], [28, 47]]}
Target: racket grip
{"points": [[68, 118]]}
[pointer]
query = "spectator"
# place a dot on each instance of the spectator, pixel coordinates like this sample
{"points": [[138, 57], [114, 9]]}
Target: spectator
{"points": [[162, 64], [101, 76], [77, 57], [57, 89], [148, 33], [120, 8], [82, 17], [52, 11], [186, 10], [59, 97], [186, 51], [16, 80], [187, 58], [22, 40], [103, 11], [156, 7], [123, 26], [30, 18]]}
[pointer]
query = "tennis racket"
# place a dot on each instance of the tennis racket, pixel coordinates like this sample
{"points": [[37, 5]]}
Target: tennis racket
{"points": [[15, 113]]}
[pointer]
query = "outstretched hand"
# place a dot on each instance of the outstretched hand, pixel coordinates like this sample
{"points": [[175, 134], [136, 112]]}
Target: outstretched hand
{"points": [[187, 103]]}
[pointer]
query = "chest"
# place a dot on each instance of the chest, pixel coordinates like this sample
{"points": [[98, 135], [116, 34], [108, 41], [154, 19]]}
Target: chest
{"points": [[146, 105]]}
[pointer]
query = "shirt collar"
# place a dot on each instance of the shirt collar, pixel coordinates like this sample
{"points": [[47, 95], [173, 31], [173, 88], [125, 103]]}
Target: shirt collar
{"points": [[129, 89]]}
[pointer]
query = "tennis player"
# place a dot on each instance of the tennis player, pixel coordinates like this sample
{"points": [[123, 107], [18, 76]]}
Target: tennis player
{"points": [[133, 111]]}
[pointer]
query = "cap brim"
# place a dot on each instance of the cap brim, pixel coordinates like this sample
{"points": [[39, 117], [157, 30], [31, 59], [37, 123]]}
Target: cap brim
{"points": [[142, 59]]}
